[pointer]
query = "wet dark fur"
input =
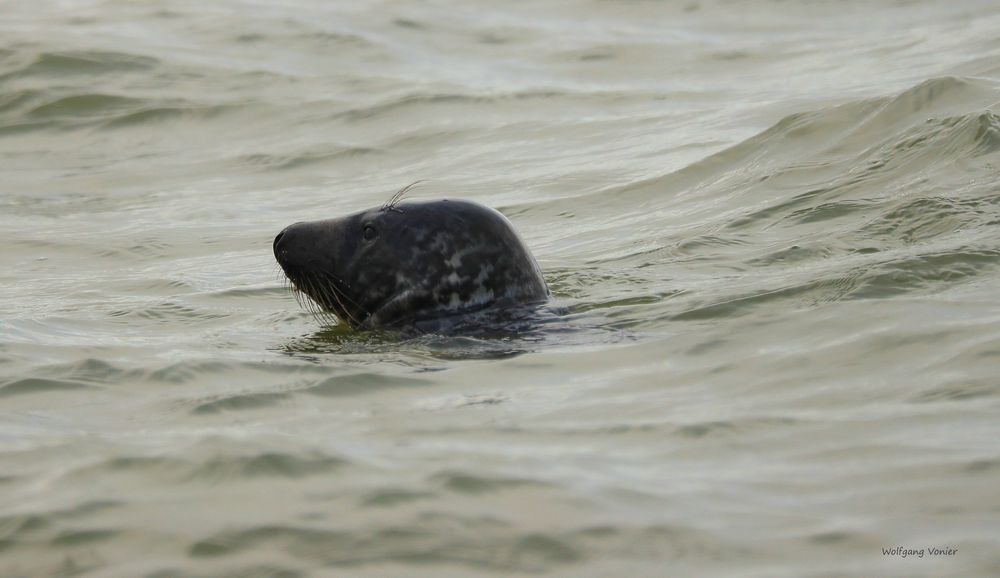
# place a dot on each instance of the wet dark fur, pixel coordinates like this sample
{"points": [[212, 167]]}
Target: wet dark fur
{"points": [[425, 261]]}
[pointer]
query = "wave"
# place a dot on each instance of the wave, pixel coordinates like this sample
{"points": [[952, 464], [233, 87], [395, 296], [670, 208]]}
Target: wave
{"points": [[80, 63], [209, 469], [863, 200]]}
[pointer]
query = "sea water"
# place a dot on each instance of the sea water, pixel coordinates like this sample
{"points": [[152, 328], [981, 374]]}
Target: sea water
{"points": [[773, 229]]}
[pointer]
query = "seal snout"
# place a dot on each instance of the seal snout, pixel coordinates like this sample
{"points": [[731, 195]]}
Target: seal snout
{"points": [[277, 240], [281, 242]]}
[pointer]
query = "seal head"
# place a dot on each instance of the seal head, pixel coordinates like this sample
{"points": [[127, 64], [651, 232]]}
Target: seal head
{"points": [[409, 262]]}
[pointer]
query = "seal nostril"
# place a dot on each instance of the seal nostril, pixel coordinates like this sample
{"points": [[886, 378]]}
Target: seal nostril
{"points": [[286, 241]]}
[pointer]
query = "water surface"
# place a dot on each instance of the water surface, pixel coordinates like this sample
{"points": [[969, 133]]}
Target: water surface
{"points": [[775, 226]]}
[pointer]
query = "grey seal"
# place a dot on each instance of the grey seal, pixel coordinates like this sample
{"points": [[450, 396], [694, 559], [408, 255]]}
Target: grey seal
{"points": [[410, 263]]}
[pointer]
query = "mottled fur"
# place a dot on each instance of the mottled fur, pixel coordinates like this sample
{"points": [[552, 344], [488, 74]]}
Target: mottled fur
{"points": [[407, 262]]}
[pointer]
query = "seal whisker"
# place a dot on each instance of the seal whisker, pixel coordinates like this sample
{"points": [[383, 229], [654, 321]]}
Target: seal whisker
{"points": [[319, 307], [343, 293], [390, 205], [318, 295], [339, 296], [303, 296], [321, 301], [319, 298], [297, 294]]}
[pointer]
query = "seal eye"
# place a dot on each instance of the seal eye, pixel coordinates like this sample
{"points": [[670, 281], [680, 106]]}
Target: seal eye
{"points": [[370, 233]]}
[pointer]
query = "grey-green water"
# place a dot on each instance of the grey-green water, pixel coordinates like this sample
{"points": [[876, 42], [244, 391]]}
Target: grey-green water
{"points": [[775, 225]]}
